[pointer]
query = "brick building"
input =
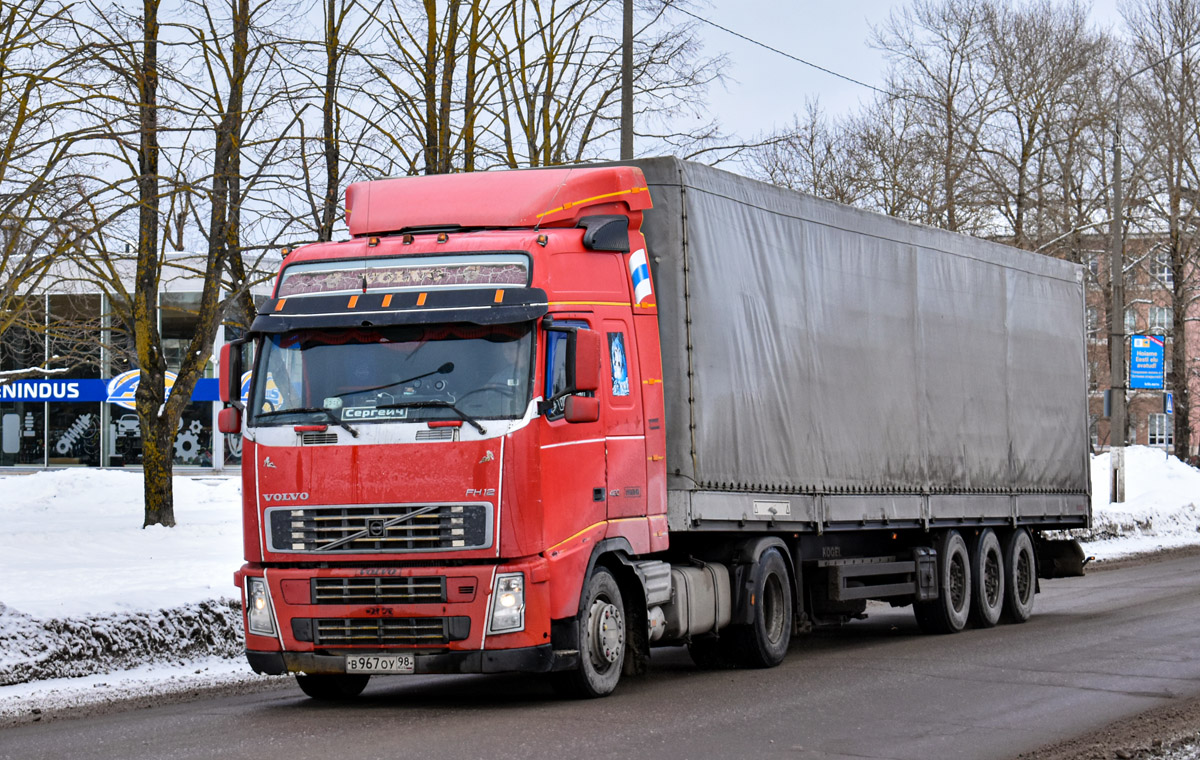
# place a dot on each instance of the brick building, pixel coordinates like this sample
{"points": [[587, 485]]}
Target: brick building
{"points": [[1149, 311]]}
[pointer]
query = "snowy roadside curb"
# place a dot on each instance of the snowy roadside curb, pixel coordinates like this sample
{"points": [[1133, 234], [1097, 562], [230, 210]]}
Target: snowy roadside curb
{"points": [[143, 686]]}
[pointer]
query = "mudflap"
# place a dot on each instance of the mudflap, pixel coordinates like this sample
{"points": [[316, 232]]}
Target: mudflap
{"points": [[1060, 558]]}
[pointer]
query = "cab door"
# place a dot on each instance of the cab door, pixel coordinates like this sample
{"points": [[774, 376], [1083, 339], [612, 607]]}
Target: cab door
{"points": [[573, 470], [621, 408]]}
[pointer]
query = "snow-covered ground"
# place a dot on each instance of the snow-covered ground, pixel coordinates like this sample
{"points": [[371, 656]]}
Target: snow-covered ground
{"points": [[94, 608]]}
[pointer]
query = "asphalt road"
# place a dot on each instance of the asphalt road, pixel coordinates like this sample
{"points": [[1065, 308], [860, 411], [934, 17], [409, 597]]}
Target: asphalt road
{"points": [[1098, 649]]}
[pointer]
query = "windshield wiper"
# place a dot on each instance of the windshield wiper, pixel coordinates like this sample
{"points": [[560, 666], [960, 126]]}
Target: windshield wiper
{"points": [[445, 369], [436, 405], [308, 409]]}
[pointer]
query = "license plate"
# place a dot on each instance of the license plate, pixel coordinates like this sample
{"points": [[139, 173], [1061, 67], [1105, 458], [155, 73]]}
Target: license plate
{"points": [[399, 663]]}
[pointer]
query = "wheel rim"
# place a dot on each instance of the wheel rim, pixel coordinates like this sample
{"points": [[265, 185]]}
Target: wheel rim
{"points": [[958, 582], [773, 604], [1024, 584], [991, 579], [607, 639]]}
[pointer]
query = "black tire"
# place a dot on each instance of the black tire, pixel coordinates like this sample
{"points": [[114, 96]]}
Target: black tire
{"points": [[950, 611], [987, 575], [602, 638], [764, 643], [1020, 576], [332, 687], [712, 653]]}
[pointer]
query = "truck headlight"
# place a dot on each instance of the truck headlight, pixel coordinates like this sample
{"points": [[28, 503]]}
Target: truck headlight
{"points": [[508, 604], [258, 607]]}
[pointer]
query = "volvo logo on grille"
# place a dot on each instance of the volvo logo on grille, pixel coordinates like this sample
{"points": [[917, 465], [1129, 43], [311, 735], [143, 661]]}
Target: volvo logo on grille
{"points": [[376, 528], [286, 496]]}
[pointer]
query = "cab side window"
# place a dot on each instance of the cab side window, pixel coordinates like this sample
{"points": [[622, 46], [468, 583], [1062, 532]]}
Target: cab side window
{"points": [[556, 369]]}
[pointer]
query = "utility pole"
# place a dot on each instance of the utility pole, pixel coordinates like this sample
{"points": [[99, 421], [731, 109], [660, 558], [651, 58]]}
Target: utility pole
{"points": [[1117, 425], [1116, 333], [627, 84]]}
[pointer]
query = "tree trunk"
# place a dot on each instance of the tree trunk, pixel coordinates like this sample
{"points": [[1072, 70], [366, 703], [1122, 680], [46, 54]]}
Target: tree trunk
{"points": [[156, 439], [329, 123]]}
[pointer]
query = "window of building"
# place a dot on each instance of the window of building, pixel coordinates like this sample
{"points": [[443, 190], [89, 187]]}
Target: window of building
{"points": [[1130, 320], [1160, 320], [1093, 264], [1159, 431], [1163, 272]]}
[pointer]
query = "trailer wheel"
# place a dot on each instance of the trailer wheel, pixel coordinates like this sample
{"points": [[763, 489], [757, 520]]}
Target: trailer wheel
{"points": [[764, 643], [949, 612], [602, 638], [987, 572], [328, 687], [1020, 576]]}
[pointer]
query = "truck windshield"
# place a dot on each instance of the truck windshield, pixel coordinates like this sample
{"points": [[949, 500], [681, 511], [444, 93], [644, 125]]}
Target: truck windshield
{"points": [[380, 374]]}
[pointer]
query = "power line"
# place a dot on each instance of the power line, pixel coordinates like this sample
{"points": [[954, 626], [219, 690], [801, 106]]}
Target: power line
{"points": [[886, 93], [765, 46]]}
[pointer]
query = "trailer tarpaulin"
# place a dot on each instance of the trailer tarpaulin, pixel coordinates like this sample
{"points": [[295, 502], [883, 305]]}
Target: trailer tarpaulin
{"points": [[812, 347]]}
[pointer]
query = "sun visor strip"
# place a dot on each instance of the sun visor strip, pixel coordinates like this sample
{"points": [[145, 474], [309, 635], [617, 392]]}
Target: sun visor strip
{"points": [[479, 306]]}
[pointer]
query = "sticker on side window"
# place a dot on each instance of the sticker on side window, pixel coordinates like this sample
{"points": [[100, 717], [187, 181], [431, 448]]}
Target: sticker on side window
{"points": [[620, 372]]}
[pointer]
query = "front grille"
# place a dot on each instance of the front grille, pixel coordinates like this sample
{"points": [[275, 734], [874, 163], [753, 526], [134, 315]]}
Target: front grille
{"points": [[363, 632], [380, 528], [379, 590]]}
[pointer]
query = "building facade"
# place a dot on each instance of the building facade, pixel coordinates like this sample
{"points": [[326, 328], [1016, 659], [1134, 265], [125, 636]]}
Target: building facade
{"points": [[85, 415], [1149, 316]]}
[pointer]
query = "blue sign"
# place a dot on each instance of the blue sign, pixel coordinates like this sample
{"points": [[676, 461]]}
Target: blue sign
{"points": [[94, 390], [1169, 403], [1146, 362]]}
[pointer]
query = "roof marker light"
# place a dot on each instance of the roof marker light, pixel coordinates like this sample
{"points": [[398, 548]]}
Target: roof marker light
{"points": [[443, 237], [541, 240], [407, 239], [372, 242]]}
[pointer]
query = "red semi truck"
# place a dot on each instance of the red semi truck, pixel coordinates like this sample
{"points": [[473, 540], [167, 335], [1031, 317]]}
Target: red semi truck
{"points": [[545, 420]]}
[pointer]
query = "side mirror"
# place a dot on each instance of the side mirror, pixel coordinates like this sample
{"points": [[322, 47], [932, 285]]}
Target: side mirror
{"points": [[231, 374], [582, 409], [588, 345], [229, 420]]}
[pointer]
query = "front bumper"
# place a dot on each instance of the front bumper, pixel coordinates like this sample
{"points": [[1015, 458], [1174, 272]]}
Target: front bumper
{"points": [[539, 659]]}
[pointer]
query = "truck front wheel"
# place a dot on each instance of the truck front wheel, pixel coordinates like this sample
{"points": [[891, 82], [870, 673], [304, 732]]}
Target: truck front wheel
{"points": [[948, 613], [602, 638], [332, 687]]}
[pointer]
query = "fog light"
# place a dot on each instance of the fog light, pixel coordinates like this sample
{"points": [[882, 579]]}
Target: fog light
{"points": [[508, 604], [261, 619]]}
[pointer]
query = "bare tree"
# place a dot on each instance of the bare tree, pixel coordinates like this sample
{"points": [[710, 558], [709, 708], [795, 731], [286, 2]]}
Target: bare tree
{"points": [[936, 49], [1037, 55], [813, 156], [43, 115], [1167, 103]]}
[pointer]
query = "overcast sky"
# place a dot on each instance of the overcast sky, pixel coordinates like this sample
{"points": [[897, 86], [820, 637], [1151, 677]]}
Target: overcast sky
{"points": [[766, 89]]}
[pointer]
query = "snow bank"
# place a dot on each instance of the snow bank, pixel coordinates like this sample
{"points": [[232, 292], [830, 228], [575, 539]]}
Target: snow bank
{"points": [[1161, 508], [86, 590], [33, 649], [72, 543]]}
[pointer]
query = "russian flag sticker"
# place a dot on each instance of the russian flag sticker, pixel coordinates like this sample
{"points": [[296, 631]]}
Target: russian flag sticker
{"points": [[639, 272]]}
